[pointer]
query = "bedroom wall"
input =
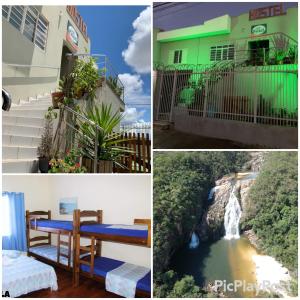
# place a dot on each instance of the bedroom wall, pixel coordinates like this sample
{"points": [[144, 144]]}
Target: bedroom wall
{"points": [[121, 197], [37, 190]]}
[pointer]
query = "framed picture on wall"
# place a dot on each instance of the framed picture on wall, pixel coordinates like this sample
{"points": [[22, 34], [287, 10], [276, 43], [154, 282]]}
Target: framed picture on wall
{"points": [[67, 205]]}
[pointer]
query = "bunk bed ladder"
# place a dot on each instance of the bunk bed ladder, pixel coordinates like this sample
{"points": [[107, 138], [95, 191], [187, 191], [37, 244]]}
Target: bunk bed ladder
{"points": [[65, 244], [89, 249]]}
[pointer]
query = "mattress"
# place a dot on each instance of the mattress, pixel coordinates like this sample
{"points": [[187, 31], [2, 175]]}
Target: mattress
{"points": [[22, 275], [102, 265], [138, 231], [50, 252]]}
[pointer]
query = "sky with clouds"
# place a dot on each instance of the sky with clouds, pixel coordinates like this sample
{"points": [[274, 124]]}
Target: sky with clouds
{"points": [[123, 33]]}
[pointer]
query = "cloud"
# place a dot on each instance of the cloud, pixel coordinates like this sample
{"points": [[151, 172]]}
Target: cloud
{"points": [[132, 115], [133, 87], [138, 53]]}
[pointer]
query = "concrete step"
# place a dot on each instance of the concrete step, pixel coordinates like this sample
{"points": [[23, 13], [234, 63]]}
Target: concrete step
{"points": [[19, 166], [163, 125], [17, 120], [35, 102], [30, 106], [22, 130], [25, 112], [20, 140], [19, 152]]}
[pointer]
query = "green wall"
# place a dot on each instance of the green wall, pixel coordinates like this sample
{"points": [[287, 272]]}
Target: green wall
{"points": [[198, 49]]}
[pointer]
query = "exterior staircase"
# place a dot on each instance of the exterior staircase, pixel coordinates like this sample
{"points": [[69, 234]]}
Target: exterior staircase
{"points": [[22, 128]]}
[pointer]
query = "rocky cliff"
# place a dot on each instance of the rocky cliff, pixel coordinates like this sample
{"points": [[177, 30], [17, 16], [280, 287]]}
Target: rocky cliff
{"points": [[212, 223]]}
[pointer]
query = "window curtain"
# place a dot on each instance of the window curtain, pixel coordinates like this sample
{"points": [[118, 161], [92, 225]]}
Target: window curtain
{"points": [[16, 238]]}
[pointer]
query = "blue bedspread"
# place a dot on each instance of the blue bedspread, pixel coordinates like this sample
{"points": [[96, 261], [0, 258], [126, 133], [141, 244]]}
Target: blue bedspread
{"points": [[103, 265], [139, 231]]}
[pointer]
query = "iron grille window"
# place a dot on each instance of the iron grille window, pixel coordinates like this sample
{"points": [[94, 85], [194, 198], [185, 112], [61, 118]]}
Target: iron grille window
{"points": [[28, 21], [16, 16], [30, 24], [41, 32], [177, 57], [5, 10], [225, 52]]}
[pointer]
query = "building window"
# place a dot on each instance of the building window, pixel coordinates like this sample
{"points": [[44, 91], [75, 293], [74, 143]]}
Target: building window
{"points": [[5, 10], [225, 52], [29, 21], [16, 16], [30, 24], [177, 57]]}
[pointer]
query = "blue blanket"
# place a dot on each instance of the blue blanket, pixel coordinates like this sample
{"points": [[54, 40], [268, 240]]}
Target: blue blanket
{"points": [[103, 265], [139, 231]]}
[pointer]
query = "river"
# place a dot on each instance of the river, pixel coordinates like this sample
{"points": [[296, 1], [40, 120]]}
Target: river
{"points": [[222, 260]]}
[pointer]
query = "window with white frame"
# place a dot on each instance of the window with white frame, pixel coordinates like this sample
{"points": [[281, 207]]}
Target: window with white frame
{"points": [[29, 21], [224, 52]]}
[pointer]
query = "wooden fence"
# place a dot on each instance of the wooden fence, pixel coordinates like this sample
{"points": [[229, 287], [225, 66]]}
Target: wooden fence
{"points": [[140, 159]]}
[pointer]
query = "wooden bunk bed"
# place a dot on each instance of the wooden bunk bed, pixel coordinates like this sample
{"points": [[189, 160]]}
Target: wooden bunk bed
{"points": [[37, 221], [87, 259]]}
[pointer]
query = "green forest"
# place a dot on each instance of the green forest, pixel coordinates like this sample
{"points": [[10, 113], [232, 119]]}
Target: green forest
{"points": [[182, 181], [273, 214]]}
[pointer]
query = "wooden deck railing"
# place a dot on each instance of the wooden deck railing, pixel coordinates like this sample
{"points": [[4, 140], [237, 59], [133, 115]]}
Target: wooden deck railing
{"points": [[140, 159]]}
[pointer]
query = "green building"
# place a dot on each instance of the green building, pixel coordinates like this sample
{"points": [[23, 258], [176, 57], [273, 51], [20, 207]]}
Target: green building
{"points": [[232, 78], [227, 38]]}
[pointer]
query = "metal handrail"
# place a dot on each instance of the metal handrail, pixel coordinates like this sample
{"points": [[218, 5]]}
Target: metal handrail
{"points": [[258, 37], [97, 129], [81, 116]]}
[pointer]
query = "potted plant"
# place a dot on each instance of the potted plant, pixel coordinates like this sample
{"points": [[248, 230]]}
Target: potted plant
{"points": [[85, 78], [58, 97], [110, 148], [113, 84], [44, 150], [292, 54], [81, 82], [69, 164]]}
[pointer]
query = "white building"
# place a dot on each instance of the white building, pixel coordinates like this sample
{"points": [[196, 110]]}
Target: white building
{"points": [[35, 41]]}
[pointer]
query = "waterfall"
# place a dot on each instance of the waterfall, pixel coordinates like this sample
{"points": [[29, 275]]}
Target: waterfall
{"points": [[212, 192], [194, 243], [232, 217]]}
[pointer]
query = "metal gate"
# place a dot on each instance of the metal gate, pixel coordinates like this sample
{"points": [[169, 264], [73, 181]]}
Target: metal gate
{"points": [[255, 94]]}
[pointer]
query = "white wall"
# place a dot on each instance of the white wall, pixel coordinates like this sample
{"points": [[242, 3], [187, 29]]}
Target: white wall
{"points": [[29, 82], [121, 197], [36, 189]]}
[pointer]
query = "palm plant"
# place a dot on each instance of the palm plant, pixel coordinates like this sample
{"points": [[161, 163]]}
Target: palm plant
{"points": [[101, 129]]}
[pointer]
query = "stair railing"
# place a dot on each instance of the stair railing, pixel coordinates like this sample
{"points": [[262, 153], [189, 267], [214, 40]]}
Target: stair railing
{"points": [[68, 133]]}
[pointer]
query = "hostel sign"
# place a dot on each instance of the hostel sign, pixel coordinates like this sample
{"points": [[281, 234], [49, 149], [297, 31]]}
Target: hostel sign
{"points": [[72, 36], [266, 12], [73, 12]]}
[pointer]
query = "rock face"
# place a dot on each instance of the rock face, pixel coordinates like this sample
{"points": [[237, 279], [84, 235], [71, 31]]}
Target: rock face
{"points": [[256, 161], [212, 222], [252, 238]]}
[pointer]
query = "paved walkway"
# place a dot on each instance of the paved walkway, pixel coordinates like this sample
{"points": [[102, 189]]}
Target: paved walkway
{"points": [[171, 139]]}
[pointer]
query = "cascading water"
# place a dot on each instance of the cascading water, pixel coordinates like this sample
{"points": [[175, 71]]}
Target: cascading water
{"points": [[212, 192], [232, 217], [194, 243]]}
